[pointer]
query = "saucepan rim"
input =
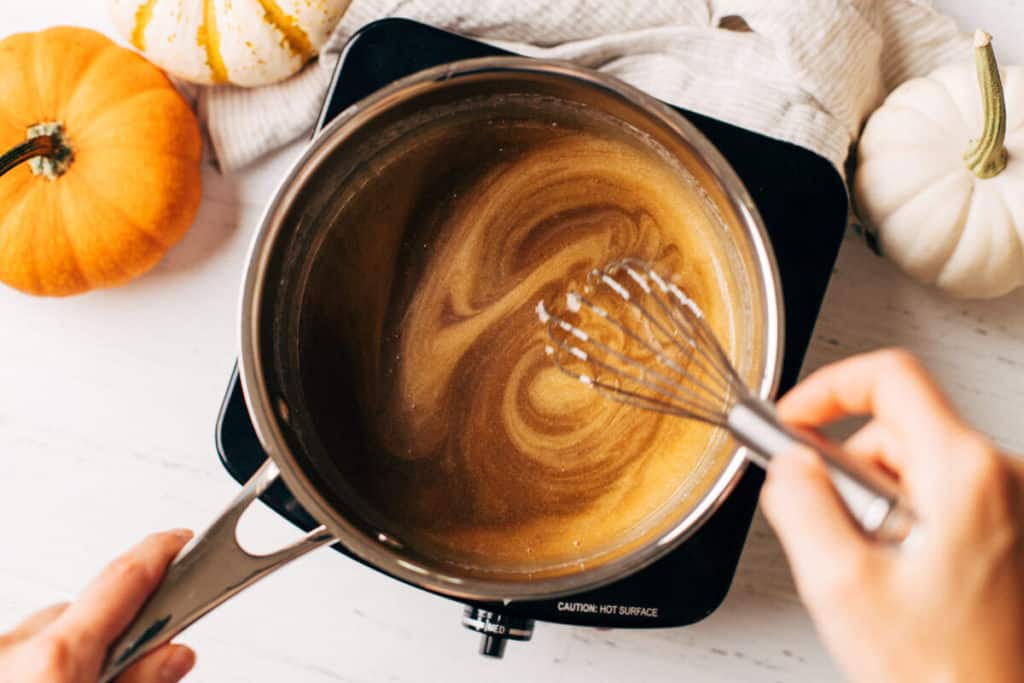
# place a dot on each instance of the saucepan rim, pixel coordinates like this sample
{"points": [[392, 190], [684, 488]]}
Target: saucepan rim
{"points": [[252, 352]]}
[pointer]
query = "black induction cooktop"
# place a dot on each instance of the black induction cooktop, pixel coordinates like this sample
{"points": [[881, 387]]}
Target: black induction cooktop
{"points": [[804, 204]]}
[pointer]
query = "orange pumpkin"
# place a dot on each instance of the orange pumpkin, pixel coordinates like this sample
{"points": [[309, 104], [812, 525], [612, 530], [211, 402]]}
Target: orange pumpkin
{"points": [[102, 173]]}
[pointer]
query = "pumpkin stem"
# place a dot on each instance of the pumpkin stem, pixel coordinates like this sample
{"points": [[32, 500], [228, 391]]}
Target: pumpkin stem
{"points": [[43, 145], [986, 156], [46, 149]]}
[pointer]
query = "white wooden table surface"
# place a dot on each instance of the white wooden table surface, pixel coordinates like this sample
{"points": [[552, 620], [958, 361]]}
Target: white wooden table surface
{"points": [[107, 410]]}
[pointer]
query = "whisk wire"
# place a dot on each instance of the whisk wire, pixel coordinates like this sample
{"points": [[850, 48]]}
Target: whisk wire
{"points": [[671, 362], [577, 301], [647, 377], [604, 278], [684, 317], [687, 317]]}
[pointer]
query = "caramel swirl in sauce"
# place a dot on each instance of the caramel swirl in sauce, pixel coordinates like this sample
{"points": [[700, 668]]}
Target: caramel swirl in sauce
{"points": [[479, 450]]}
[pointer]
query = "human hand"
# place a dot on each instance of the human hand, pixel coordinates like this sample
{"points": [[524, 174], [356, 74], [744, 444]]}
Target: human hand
{"points": [[948, 604], [67, 643]]}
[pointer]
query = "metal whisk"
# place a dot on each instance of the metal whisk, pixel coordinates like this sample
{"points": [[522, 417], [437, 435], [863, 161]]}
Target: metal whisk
{"points": [[637, 338]]}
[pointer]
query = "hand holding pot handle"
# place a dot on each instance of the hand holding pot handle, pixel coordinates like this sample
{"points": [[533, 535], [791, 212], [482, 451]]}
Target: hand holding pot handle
{"points": [[67, 642], [208, 571]]}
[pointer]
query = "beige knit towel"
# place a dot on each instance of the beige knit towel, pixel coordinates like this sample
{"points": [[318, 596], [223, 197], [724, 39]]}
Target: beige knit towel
{"points": [[804, 71]]}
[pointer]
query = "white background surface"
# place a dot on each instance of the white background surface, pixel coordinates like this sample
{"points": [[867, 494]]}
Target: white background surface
{"points": [[107, 411]]}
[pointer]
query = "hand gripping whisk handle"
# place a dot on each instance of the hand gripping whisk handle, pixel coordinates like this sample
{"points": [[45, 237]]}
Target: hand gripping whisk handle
{"points": [[873, 500]]}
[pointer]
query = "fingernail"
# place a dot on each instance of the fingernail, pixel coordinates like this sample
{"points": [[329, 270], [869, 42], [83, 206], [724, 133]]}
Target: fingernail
{"points": [[177, 664], [183, 534]]}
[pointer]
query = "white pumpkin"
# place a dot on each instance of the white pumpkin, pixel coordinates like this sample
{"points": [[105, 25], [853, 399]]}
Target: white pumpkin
{"points": [[949, 217], [245, 42]]}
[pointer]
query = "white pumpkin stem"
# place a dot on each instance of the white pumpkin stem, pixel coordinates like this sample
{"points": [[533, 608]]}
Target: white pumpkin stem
{"points": [[986, 156], [46, 149]]}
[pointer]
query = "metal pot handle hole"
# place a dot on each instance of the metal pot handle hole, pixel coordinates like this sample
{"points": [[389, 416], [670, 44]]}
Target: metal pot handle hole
{"points": [[208, 571]]}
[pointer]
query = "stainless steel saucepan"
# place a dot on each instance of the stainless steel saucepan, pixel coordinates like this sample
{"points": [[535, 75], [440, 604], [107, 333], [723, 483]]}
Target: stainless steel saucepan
{"points": [[302, 214]]}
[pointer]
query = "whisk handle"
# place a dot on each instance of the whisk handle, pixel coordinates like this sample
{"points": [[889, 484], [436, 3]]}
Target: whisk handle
{"points": [[873, 499]]}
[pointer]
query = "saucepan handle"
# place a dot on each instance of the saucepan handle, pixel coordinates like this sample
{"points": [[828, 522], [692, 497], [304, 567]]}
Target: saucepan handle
{"points": [[208, 571], [873, 499]]}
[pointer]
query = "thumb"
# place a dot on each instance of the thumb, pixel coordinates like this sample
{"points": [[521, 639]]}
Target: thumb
{"points": [[817, 533]]}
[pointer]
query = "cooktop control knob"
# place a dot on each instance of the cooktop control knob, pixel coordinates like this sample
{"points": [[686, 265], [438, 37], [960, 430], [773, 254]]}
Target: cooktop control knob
{"points": [[497, 629]]}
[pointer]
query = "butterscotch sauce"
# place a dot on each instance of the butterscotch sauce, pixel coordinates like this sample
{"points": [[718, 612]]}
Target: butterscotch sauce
{"points": [[472, 447]]}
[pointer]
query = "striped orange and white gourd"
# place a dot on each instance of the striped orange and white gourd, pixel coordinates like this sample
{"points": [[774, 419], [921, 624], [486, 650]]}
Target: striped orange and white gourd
{"points": [[244, 42]]}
